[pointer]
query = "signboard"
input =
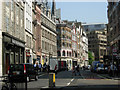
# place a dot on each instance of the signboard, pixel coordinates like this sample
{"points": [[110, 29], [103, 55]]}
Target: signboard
{"points": [[114, 50], [28, 53], [115, 54], [18, 43]]}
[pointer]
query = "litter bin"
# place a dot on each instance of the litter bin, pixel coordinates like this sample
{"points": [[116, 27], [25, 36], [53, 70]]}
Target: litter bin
{"points": [[51, 80]]}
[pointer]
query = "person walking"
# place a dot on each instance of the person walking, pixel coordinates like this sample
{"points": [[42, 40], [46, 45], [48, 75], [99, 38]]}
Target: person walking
{"points": [[36, 66], [78, 69], [40, 66]]}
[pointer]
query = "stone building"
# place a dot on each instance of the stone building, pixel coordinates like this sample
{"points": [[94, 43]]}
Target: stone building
{"points": [[48, 33], [12, 33], [28, 32], [98, 43], [113, 30], [64, 45], [97, 39]]}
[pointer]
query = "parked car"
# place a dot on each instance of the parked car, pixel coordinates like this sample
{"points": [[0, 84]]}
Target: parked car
{"points": [[22, 70], [100, 68]]}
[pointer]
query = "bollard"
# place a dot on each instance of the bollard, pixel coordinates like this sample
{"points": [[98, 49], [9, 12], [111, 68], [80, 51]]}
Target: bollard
{"points": [[51, 80]]}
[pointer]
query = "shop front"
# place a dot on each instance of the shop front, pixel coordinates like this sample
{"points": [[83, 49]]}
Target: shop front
{"points": [[13, 51]]}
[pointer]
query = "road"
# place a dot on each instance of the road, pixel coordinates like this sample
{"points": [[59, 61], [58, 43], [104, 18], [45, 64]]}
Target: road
{"points": [[66, 81]]}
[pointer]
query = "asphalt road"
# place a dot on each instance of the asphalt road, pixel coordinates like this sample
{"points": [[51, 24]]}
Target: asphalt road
{"points": [[66, 81]]}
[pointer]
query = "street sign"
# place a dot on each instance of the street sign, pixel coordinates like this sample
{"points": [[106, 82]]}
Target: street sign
{"points": [[114, 50], [115, 54]]}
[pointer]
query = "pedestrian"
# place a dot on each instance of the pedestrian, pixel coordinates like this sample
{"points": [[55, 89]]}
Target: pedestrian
{"points": [[44, 67], [55, 69], [36, 66], [40, 66], [115, 70], [74, 71], [78, 69]]}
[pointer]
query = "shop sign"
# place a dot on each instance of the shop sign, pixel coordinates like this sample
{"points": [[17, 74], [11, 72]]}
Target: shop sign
{"points": [[7, 39], [18, 43], [28, 53]]}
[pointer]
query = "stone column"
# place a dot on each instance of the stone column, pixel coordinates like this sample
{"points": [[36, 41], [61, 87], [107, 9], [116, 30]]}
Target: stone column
{"points": [[0, 53], [1, 38]]}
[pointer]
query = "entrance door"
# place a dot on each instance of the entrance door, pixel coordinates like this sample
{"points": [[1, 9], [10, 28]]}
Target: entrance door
{"points": [[7, 63]]}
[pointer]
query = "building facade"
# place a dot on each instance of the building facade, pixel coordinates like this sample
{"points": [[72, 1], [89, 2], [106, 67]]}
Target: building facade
{"points": [[48, 34], [64, 45], [113, 30], [28, 32], [12, 33], [98, 43]]}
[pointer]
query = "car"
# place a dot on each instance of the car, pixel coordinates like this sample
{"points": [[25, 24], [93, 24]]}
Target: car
{"points": [[100, 70], [22, 70]]}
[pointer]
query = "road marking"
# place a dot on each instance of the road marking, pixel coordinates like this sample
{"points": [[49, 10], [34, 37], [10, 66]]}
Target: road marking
{"points": [[42, 75], [70, 82], [45, 87]]}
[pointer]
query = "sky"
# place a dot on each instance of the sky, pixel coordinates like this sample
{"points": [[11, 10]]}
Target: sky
{"points": [[89, 12]]}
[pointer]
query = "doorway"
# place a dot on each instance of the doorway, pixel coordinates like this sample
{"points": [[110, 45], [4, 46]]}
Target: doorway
{"points": [[7, 62]]}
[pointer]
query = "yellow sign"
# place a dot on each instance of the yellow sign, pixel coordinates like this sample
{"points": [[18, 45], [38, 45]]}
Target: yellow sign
{"points": [[54, 77]]}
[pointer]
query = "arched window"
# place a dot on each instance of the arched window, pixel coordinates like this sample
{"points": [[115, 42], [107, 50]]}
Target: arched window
{"points": [[70, 54], [67, 53], [63, 53], [58, 52]]}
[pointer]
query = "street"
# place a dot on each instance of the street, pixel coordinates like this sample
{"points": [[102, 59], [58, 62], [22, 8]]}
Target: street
{"points": [[65, 80]]}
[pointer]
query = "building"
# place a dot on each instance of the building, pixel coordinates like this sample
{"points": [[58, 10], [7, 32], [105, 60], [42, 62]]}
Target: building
{"points": [[113, 30], [48, 33], [97, 41], [93, 27], [83, 47], [12, 34], [36, 29], [75, 49], [28, 32], [64, 45]]}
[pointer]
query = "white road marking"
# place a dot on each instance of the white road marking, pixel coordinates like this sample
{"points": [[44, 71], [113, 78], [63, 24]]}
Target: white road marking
{"points": [[45, 87], [70, 82], [41, 74]]}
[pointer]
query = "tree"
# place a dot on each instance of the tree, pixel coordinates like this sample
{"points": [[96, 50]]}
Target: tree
{"points": [[91, 57]]}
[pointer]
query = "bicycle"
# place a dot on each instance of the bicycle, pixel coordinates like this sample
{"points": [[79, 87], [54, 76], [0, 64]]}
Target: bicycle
{"points": [[8, 85]]}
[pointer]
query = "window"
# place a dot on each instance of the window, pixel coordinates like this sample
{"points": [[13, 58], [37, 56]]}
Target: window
{"points": [[63, 53], [63, 44], [67, 53], [12, 58]]}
